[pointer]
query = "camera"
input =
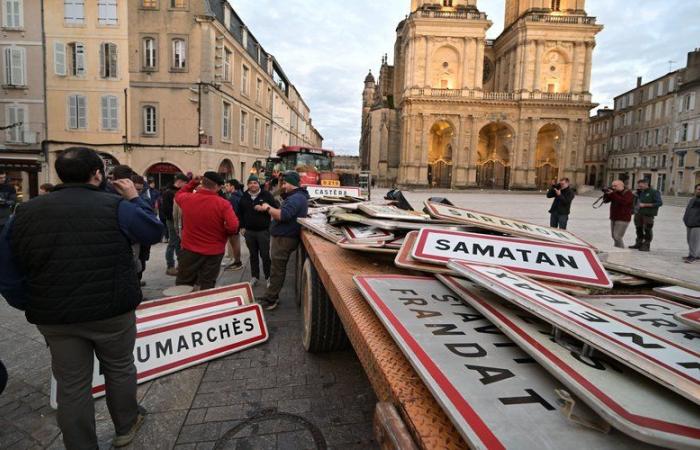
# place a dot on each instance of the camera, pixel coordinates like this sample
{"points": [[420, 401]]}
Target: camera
{"points": [[607, 189], [557, 186]]}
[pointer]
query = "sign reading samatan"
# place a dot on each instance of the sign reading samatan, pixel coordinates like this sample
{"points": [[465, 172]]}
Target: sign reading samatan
{"points": [[627, 400], [676, 367], [496, 396], [333, 191], [542, 260], [503, 225]]}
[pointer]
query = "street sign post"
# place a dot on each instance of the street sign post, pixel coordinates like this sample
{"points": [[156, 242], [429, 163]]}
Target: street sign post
{"points": [[630, 402], [503, 225], [494, 394], [537, 259], [333, 191], [690, 318], [651, 354]]}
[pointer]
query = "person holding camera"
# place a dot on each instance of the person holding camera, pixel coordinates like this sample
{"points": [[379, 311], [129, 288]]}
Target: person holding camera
{"points": [[621, 202], [646, 208], [691, 219], [563, 196]]}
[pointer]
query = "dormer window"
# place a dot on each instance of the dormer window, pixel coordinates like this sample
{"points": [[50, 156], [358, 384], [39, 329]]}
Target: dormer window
{"points": [[245, 38]]}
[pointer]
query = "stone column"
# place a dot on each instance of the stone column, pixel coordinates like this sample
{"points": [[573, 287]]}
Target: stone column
{"points": [[471, 72], [473, 149], [589, 66], [428, 50], [539, 46], [464, 71], [479, 65], [518, 81], [496, 74], [526, 84], [575, 64]]}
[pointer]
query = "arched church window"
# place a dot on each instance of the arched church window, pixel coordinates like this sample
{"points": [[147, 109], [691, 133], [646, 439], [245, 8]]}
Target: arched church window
{"points": [[556, 5]]}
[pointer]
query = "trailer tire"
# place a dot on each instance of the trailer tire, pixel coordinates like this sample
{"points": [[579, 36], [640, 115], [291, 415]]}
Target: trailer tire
{"points": [[322, 329], [300, 258]]}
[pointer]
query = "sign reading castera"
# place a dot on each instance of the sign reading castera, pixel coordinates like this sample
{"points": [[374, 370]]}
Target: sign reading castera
{"points": [[503, 225], [496, 396], [676, 367], [547, 261], [328, 191]]}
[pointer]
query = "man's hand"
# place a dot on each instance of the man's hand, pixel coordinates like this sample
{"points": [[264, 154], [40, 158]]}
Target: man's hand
{"points": [[645, 205], [125, 188], [262, 208], [558, 192]]}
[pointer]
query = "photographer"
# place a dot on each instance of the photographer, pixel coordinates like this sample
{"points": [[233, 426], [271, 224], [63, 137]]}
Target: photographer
{"points": [[646, 208], [563, 196], [621, 202]]}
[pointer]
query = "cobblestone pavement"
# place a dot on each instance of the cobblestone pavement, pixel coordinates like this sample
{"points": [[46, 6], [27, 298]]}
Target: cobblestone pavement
{"points": [[274, 396]]}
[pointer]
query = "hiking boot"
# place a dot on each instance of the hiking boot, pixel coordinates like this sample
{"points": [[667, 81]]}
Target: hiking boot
{"points": [[236, 265], [636, 246], [267, 303], [126, 439], [691, 260], [172, 271]]}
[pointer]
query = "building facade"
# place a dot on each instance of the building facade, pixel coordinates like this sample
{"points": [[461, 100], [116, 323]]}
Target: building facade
{"points": [[686, 147], [599, 131], [458, 111], [22, 107], [166, 86]]}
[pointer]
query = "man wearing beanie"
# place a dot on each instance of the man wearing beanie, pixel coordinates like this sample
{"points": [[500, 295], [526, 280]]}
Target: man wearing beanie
{"points": [[255, 227], [285, 233], [208, 221]]}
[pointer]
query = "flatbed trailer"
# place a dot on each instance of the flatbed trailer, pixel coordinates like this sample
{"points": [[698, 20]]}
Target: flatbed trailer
{"points": [[335, 313]]}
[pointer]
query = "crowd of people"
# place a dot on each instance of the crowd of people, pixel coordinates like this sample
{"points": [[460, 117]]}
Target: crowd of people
{"points": [[73, 260]]}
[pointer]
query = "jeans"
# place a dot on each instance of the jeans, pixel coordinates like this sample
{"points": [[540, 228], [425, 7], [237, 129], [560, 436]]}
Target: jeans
{"points": [[618, 229], [280, 251], [200, 270], [173, 245], [258, 243], [645, 228], [694, 242], [73, 349], [558, 220]]}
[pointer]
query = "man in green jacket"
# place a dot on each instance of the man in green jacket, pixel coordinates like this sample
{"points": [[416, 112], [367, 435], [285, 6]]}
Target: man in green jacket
{"points": [[646, 208]]}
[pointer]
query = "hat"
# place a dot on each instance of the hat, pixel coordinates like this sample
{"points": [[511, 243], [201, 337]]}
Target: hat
{"points": [[292, 178], [182, 177], [253, 179], [215, 177]]}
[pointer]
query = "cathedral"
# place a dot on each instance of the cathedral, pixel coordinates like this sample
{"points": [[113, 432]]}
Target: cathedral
{"points": [[457, 110]]}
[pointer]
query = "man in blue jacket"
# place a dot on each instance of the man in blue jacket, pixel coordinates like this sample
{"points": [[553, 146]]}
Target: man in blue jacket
{"points": [[72, 256], [285, 233]]}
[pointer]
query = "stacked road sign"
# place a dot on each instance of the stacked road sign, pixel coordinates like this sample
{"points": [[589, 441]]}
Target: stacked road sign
{"points": [[501, 329]]}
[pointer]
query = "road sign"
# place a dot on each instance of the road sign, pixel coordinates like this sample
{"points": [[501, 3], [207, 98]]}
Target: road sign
{"points": [[649, 353], [392, 212], [503, 225], [174, 347], [391, 225], [653, 314], [495, 395], [630, 402], [376, 247], [680, 293], [365, 233], [333, 191], [405, 260], [541, 260], [690, 318], [183, 310], [323, 229], [243, 290]]}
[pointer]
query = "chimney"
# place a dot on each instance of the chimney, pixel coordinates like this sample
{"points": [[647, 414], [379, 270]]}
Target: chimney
{"points": [[639, 81]]}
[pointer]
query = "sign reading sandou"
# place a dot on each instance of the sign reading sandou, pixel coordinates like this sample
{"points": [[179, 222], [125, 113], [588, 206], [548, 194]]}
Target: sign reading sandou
{"points": [[543, 260]]}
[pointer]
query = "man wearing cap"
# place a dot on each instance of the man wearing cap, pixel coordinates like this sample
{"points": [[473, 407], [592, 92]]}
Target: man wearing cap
{"points": [[255, 227], [168, 209], [208, 221], [285, 233]]}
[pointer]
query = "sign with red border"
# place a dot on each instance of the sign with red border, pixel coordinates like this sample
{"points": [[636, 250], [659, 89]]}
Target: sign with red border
{"points": [[186, 309], [680, 293], [323, 229], [537, 259], [631, 403], [333, 191], [243, 290], [503, 224], [676, 367], [690, 318], [495, 395], [365, 233]]}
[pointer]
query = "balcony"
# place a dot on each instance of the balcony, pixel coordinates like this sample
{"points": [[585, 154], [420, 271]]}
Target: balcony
{"points": [[469, 94], [463, 15], [566, 19]]}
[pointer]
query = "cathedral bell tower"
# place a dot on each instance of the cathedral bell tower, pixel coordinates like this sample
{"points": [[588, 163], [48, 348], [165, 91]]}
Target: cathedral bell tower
{"points": [[368, 94]]}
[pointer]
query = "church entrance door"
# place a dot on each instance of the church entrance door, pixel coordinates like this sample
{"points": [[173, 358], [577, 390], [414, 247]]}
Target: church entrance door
{"points": [[440, 155], [493, 167]]}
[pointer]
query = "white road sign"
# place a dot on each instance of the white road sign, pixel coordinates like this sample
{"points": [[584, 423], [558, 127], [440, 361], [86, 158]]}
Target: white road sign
{"points": [[496, 396], [503, 225], [537, 259], [376, 247], [365, 233], [630, 402], [405, 260], [183, 310], [171, 348], [323, 229], [675, 367], [680, 293], [243, 290], [330, 191], [392, 212], [690, 318]]}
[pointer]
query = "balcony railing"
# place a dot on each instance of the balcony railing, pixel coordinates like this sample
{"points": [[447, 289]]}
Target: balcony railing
{"points": [[437, 14], [471, 94], [571, 20]]}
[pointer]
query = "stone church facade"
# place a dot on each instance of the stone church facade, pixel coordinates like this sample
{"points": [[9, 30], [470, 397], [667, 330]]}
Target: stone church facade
{"points": [[459, 111]]}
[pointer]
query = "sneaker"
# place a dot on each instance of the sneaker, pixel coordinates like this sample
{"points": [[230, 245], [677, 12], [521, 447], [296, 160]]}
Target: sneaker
{"points": [[254, 281], [126, 439], [172, 271], [267, 281], [635, 246], [236, 265], [645, 248], [691, 260], [271, 304]]}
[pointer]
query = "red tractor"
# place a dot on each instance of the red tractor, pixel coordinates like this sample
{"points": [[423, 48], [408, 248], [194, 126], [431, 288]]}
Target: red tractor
{"points": [[315, 165]]}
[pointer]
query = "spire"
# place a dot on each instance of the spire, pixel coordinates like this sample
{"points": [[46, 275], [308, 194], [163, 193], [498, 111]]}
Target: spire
{"points": [[369, 78]]}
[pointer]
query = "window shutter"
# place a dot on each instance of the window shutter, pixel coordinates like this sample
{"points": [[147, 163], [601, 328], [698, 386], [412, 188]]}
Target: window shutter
{"points": [[678, 135], [59, 58], [17, 64], [11, 119], [73, 111], [103, 66], [680, 105], [105, 112], [692, 101], [19, 117], [114, 113], [7, 56], [691, 131], [112, 50], [79, 59], [82, 112]]}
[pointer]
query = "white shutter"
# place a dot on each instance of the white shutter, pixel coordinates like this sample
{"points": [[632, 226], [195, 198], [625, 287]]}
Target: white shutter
{"points": [[113, 113], [73, 112], [19, 131], [79, 59], [7, 57], [82, 112], [74, 11], [59, 58], [691, 131], [103, 66], [692, 101], [105, 112], [11, 119], [17, 63], [678, 135], [112, 61], [680, 105]]}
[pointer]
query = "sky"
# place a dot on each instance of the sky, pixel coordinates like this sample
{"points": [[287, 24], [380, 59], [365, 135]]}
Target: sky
{"points": [[326, 48]]}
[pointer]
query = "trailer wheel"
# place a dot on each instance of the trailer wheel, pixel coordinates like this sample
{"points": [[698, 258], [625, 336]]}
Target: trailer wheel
{"points": [[300, 258], [322, 329]]}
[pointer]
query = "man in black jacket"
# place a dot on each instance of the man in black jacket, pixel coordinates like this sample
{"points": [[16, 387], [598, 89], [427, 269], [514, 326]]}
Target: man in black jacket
{"points": [[563, 196], [255, 227], [167, 207], [691, 219], [73, 249], [8, 199]]}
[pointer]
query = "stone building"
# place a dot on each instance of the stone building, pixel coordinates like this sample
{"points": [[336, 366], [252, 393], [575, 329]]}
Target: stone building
{"points": [[22, 112], [167, 86], [686, 147], [458, 111], [599, 131]]}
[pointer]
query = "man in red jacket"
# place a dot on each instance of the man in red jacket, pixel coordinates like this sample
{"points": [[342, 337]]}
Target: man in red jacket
{"points": [[208, 221], [621, 202]]}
